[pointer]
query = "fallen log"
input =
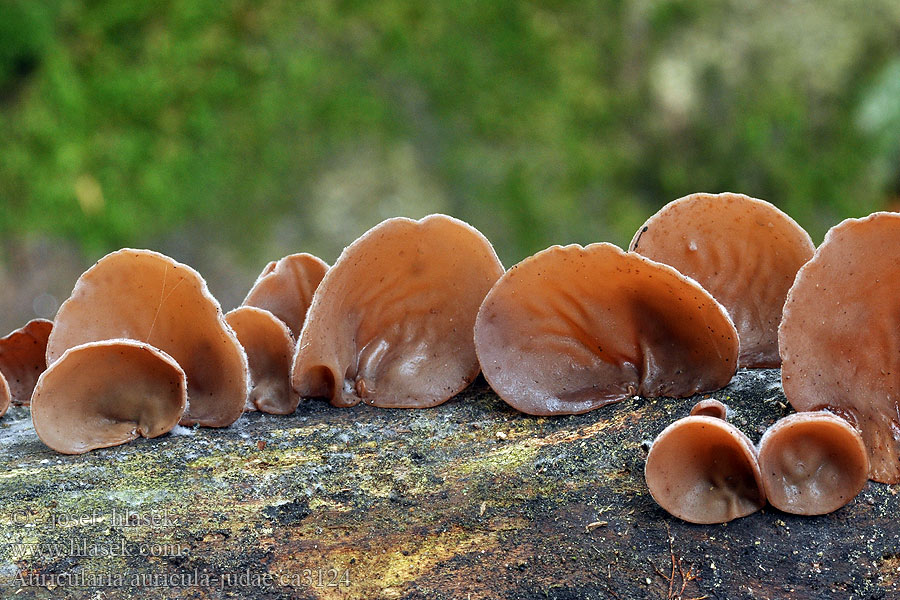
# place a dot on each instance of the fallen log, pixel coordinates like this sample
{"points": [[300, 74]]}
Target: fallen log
{"points": [[469, 500]]}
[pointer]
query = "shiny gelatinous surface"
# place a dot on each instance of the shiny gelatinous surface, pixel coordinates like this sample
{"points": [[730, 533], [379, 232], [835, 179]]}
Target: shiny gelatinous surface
{"points": [[107, 393], [744, 251], [23, 357], [392, 322], [812, 463], [703, 470], [285, 288], [571, 329], [270, 348], [840, 336], [146, 296]]}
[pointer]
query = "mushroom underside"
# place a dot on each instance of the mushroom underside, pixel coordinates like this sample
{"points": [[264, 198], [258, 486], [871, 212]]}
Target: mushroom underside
{"points": [[107, 393]]}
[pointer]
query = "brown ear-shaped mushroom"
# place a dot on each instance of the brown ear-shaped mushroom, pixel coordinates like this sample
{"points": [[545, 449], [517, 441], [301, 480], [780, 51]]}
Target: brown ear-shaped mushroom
{"points": [[285, 288], [840, 336], [812, 463], [146, 296], [703, 470], [23, 357], [572, 329], [710, 408], [391, 323], [4, 395], [270, 348], [103, 394], [743, 251]]}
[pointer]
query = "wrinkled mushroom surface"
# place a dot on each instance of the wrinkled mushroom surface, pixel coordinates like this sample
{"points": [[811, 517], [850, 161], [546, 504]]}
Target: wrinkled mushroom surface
{"points": [[812, 463], [285, 288], [572, 329], [23, 357], [146, 296], [743, 251], [391, 323], [270, 348], [840, 336], [103, 394], [703, 470]]}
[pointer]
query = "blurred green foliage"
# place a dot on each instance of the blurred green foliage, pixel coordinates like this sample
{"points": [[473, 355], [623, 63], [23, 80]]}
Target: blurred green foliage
{"points": [[539, 122]]}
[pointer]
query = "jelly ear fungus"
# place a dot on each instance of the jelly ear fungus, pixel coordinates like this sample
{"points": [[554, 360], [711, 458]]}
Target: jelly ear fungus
{"points": [[269, 347], [285, 288], [148, 297], [391, 322], [743, 251], [701, 469], [23, 357], [106, 393], [573, 328], [840, 335], [812, 463]]}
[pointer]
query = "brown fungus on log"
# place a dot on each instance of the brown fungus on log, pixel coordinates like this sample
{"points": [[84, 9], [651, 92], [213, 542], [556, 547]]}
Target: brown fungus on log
{"points": [[840, 335], [744, 251], [146, 296], [4, 395], [285, 288], [106, 393], [392, 322], [812, 463], [710, 408], [574, 328], [23, 357], [269, 347], [703, 470]]}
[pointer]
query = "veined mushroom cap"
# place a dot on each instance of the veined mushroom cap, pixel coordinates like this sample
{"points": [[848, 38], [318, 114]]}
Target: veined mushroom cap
{"points": [[703, 470], [106, 393], [392, 321], [23, 357], [4, 395], [146, 296], [743, 251], [285, 288], [812, 463], [840, 335], [270, 348], [573, 328]]}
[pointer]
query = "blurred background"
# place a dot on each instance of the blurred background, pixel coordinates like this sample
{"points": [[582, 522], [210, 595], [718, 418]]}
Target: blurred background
{"points": [[229, 133]]}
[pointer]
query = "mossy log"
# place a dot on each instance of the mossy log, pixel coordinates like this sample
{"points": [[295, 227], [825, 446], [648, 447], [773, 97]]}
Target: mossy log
{"points": [[469, 500]]}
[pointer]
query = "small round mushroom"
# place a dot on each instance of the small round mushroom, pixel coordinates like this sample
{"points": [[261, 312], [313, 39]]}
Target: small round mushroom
{"points": [[574, 328], [703, 470], [285, 288], [146, 296], [812, 463], [270, 348], [840, 335], [106, 393], [23, 357], [744, 251], [391, 323], [710, 408]]}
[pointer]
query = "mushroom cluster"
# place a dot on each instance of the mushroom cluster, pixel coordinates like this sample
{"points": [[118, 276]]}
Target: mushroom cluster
{"points": [[412, 311], [141, 345], [702, 469]]}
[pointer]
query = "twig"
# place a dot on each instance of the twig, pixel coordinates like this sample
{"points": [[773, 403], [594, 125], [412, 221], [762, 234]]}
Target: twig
{"points": [[678, 577]]}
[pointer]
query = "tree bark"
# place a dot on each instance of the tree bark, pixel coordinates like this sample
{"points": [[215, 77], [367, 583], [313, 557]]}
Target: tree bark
{"points": [[469, 500]]}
